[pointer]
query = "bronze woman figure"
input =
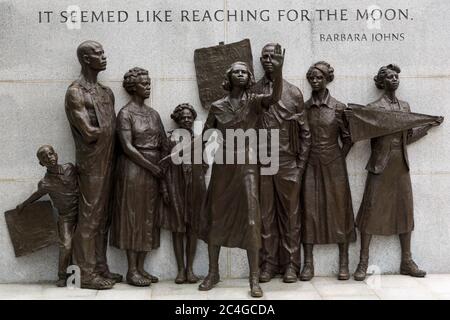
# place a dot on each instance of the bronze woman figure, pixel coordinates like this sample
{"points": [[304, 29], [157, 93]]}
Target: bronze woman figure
{"points": [[187, 189], [326, 199], [232, 201], [387, 205], [138, 177]]}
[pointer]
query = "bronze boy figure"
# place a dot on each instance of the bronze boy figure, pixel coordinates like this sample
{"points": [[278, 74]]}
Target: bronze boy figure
{"points": [[60, 183], [280, 200], [387, 205], [327, 215], [90, 111]]}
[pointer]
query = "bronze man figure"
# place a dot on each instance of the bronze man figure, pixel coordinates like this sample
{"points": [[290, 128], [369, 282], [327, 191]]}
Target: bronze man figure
{"points": [[387, 205], [327, 215], [280, 202], [139, 183], [90, 110], [60, 183], [232, 200], [187, 189]]}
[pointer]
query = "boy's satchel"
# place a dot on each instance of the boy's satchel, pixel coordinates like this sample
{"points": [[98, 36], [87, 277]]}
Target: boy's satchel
{"points": [[32, 229]]}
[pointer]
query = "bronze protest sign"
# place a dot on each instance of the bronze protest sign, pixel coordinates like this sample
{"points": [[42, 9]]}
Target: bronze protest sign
{"points": [[32, 229], [211, 64]]}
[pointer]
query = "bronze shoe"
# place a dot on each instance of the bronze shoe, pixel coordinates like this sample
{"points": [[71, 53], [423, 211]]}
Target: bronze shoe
{"points": [[344, 273], [410, 268], [191, 277], [97, 282], [290, 275], [62, 282], [152, 278], [361, 271], [308, 272], [255, 289], [266, 275], [211, 280], [181, 277], [112, 276]]}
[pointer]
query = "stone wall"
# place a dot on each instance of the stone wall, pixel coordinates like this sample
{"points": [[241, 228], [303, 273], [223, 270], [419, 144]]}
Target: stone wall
{"points": [[38, 62]]}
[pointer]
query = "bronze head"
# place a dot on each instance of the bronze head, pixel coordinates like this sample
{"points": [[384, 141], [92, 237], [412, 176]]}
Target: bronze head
{"points": [[388, 78], [91, 55], [319, 75], [137, 82], [184, 115], [47, 156], [238, 74]]}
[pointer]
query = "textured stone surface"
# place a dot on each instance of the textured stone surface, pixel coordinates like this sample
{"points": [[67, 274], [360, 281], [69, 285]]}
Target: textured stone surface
{"points": [[38, 62]]}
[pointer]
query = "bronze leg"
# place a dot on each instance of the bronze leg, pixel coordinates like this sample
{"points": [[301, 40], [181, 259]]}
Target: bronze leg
{"points": [[269, 230], [308, 268], [344, 273], [66, 230], [408, 266], [213, 277], [134, 277], [191, 248], [178, 248], [253, 262], [361, 271]]}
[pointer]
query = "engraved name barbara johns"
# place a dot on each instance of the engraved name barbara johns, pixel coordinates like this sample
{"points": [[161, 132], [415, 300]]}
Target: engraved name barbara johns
{"points": [[363, 37], [76, 14]]}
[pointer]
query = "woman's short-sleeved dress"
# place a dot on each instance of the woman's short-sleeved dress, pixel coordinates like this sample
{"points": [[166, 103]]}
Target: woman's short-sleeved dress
{"points": [[137, 190]]}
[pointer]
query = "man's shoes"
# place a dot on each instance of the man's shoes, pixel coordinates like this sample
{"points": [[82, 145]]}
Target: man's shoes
{"points": [[97, 282], [266, 275], [290, 275], [112, 276]]}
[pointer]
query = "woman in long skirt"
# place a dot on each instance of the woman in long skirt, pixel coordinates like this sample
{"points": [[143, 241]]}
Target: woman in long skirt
{"points": [[387, 205], [232, 201], [327, 215]]}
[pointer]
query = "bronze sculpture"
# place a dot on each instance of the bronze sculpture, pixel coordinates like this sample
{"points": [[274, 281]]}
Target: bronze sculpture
{"points": [[327, 213], [387, 205], [280, 203], [60, 183], [187, 188], [138, 178], [232, 200], [89, 107]]}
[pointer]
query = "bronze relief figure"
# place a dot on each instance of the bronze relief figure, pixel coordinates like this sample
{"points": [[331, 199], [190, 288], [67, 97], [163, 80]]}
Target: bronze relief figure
{"points": [[387, 205], [60, 183], [232, 200], [280, 200], [89, 107], [139, 182], [186, 188], [327, 212]]}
